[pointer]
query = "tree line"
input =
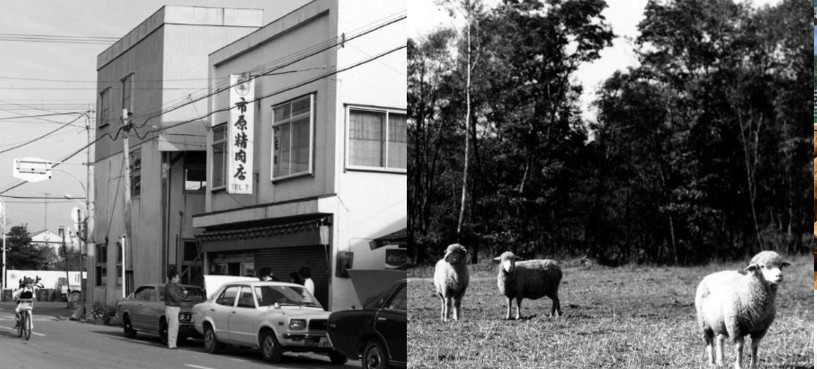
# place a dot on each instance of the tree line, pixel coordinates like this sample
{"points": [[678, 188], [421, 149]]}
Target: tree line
{"points": [[22, 254], [699, 152]]}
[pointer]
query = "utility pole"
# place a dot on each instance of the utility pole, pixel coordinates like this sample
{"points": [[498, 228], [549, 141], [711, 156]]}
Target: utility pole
{"points": [[45, 219], [127, 192], [62, 231], [90, 245]]}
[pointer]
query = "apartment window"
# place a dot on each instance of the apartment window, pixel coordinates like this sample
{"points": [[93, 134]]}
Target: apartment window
{"points": [[292, 127], [219, 155], [101, 276], [135, 173], [127, 93], [105, 107], [195, 172], [377, 139]]}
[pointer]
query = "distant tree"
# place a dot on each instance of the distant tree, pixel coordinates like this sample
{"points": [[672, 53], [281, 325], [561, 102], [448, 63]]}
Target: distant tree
{"points": [[21, 254]]}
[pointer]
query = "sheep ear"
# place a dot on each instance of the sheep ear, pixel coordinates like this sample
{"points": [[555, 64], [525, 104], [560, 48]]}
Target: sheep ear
{"points": [[785, 264], [497, 258], [751, 268]]}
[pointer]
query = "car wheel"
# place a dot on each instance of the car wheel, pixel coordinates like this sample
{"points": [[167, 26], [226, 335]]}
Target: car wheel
{"points": [[337, 358], [129, 331], [163, 331], [210, 344], [375, 356], [271, 350]]}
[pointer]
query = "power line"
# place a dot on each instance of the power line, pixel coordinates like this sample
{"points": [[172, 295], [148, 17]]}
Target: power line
{"points": [[42, 115], [18, 37], [114, 136], [285, 64], [280, 63], [41, 137], [276, 92]]}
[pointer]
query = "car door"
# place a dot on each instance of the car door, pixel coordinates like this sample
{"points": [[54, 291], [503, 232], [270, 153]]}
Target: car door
{"points": [[141, 309], [244, 318], [390, 323], [221, 310], [131, 306]]}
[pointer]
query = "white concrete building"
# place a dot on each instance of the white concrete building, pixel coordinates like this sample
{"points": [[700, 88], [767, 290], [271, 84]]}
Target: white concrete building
{"points": [[315, 169]]}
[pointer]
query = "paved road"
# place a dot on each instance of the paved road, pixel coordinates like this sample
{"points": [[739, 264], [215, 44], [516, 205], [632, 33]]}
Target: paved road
{"points": [[60, 343]]}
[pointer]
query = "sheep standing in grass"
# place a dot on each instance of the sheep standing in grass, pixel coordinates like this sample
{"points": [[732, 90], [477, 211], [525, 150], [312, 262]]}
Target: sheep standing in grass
{"points": [[739, 303], [451, 280], [530, 279]]}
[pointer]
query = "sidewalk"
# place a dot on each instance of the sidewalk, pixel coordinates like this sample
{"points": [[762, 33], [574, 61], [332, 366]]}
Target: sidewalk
{"points": [[58, 310]]}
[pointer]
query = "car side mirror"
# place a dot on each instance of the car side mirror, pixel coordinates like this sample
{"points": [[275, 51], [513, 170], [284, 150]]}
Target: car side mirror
{"points": [[276, 306]]}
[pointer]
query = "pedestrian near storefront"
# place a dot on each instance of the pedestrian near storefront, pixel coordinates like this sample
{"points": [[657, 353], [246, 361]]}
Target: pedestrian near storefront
{"points": [[173, 300], [266, 275], [294, 277], [306, 275]]}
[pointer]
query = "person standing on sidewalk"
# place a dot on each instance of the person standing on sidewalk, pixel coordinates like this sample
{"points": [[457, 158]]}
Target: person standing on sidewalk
{"points": [[173, 301], [306, 276]]}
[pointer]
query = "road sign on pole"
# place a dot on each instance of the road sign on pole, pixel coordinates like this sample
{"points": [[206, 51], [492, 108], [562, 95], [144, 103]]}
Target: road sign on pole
{"points": [[32, 169]]}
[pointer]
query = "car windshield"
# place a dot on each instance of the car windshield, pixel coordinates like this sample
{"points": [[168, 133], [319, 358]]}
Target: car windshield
{"points": [[285, 296]]}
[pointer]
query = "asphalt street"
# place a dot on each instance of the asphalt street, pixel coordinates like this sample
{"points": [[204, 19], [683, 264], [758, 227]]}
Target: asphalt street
{"points": [[57, 342]]}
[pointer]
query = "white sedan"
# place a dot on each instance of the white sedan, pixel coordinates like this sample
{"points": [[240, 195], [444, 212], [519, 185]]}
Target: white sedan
{"points": [[272, 316]]}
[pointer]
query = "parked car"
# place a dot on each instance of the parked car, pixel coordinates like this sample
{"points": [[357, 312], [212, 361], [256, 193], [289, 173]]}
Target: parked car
{"points": [[144, 311], [271, 316], [375, 334]]}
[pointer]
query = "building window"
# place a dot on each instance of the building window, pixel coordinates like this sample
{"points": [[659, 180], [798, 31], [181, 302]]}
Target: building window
{"points": [[135, 173], [292, 128], [127, 93], [105, 107], [101, 278], [101, 254], [377, 139], [219, 155], [195, 172]]}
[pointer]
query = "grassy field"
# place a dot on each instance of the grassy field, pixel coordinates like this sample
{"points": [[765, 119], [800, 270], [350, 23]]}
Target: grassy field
{"points": [[627, 317]]}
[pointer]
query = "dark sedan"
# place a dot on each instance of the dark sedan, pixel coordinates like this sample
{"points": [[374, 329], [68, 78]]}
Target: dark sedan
{"points": [[144, 311], [376, 334]]}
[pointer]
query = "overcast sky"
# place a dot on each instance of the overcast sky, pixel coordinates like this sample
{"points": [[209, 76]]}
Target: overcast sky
{"points": [[622, 15], [22, 62]]}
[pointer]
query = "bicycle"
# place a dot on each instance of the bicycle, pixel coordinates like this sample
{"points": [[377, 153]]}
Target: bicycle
{"points": [[24, 328]]}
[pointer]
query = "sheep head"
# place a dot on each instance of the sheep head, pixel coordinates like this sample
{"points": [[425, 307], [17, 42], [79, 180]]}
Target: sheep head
{"points": [[455, 254], [507, 261], [769, 265]]}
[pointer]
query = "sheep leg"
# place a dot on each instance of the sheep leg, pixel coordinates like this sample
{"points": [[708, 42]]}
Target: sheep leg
{"points": [[510, 303], [739, 352], [555, 307], [456, 302], [719, 350], [709, 339], [755, 345], [518, 307], [446, 309]]}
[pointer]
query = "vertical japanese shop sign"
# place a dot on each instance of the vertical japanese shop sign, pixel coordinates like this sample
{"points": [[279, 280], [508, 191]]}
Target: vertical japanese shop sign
{"points": [[240, 141]]}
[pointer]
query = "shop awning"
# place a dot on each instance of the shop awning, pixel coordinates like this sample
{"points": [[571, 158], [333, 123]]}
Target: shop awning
{"points": [[397, 238], [281, 235]]}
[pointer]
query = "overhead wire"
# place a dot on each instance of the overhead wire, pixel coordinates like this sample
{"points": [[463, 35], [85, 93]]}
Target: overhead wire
{"points": [[368, 60], [114, 136], [41, 137], [287, 63], [57, 38]]}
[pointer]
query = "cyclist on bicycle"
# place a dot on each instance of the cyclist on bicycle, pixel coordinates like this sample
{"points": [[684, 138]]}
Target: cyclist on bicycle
{"points": [[24, 296]]}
